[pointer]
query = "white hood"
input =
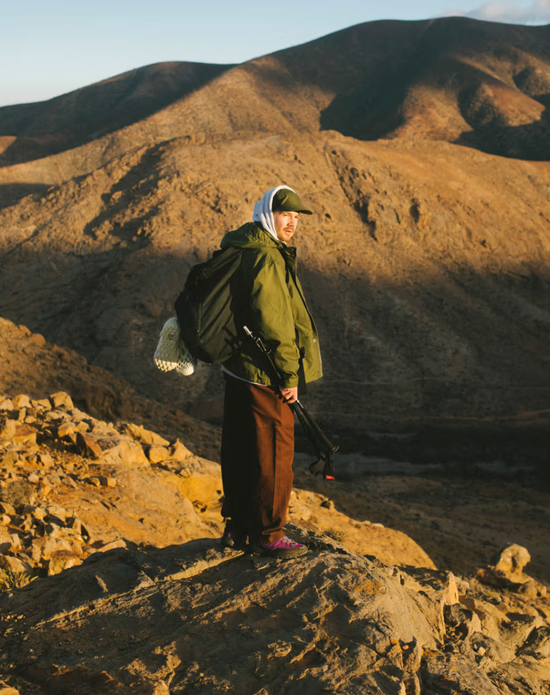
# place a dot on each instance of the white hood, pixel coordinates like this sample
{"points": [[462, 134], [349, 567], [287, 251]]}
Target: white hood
{"points": [[263, 212]]}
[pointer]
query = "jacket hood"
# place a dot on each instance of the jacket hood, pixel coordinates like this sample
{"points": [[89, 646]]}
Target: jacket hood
{"points": [[263, 210], [250, 236]]}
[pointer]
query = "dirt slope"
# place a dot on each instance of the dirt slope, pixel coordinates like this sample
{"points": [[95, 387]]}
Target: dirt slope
{"points": [[481, 84], [425, 266]]}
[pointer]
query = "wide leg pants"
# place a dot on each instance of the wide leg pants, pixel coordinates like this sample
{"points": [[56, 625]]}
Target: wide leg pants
{"points": [[256, 456]]}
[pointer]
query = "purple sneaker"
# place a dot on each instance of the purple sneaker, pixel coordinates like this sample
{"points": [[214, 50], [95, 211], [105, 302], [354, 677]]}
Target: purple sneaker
{"points": [[285, 548], [234, 539]]}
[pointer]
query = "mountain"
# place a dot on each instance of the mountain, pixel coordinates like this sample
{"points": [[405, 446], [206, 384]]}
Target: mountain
{"points": [[33, 131], [481, 84], [425, 264]]}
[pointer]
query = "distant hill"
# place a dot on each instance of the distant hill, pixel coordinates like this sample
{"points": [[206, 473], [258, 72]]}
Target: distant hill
{"points": [[426, 263], [480, 84], [32, 131]]}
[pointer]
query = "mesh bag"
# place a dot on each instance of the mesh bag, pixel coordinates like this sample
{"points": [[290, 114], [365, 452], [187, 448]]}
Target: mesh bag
{"points": [[171, 352]]}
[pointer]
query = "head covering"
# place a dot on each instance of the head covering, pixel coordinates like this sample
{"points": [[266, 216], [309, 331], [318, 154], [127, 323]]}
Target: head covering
{"points": [[288, 201], [263, 209]]}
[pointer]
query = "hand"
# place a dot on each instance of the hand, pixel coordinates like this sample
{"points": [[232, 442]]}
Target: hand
{"points": [[289, 395]]}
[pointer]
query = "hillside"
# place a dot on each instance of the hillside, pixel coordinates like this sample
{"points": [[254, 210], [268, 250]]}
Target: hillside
{"points": [[33, 131], [425, 264]]}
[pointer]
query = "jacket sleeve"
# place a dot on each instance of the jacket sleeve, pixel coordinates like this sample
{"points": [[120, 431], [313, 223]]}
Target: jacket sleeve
{"points": [[270, 311]]}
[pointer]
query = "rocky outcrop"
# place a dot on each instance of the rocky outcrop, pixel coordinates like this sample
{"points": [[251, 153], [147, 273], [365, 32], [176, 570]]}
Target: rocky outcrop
{"points": [[196, 617], [71, 485]]}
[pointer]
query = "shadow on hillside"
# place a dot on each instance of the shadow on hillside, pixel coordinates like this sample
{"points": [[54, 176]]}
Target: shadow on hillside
{"points": [[529, 142], [12, 193], [140, 180], [74, 119], [467, 351]]}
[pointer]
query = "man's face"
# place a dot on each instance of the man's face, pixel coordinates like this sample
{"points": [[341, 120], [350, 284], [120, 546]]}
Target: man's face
{"points": [[285, 224]]}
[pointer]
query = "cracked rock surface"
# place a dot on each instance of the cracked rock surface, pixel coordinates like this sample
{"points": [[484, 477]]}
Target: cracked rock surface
{"points": [[197, 618]]}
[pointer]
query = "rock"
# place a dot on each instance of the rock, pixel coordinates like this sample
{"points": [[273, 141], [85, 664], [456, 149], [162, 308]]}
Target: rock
{"points": [[7, 508], [45, 459], [61, 560], [5, 540], [6, 404], [42, 404], [44, 489], [62, 400], [14, 564], [140, 434], [38, 339], [179, 452], [329, 621], [8, 690], [103, 548], [17, 493], [107, 481], [33, 478], [88, 446], [127, 453], [66, 430], [512, 560], [18, 434], [21, 401], [157, 454], [532, 589]]}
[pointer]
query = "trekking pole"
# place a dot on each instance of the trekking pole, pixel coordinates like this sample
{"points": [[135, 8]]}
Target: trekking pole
{"points": [[324, 449]]}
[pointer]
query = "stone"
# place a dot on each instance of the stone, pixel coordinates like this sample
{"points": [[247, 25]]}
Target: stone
{"points": [[38, 339], [140, 434], [42, 404], [354, 625], [5, 540], [61, 560], [6, 404], [119, 543], [33, 478], [512, 560], [179, 451], [45, 459], [21, 401], [88, 446], [44, 488], [62, 400], [157, 454], [127, 453], [18, 492], [14, 564], [66, 430], [8, 690], [107, 481]]}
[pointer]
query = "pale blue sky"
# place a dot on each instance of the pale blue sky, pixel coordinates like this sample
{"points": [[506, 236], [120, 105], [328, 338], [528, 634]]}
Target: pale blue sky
{"points": [[50, 48]]}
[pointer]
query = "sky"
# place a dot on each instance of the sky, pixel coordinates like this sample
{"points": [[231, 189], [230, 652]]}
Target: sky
{"points": [[51, 48]]}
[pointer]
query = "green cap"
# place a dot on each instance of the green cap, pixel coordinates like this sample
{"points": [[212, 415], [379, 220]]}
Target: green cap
{"points": [[287, 201]]}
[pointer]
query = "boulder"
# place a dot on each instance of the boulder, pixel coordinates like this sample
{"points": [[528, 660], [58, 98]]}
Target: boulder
{"points": [[21, 401], [14, 564], [329, 621], [140, 434], [62, 400], [512, 560], [61, 560], [157, 454]]}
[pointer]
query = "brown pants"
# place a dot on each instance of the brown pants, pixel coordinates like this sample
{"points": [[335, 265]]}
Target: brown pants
{"points": [[257, 454]]}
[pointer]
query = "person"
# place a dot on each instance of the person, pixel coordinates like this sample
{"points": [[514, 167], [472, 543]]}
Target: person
{"points": [[257, 449]]}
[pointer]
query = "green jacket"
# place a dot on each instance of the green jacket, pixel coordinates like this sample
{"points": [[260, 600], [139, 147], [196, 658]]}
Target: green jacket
{"points": [[271, 302]]}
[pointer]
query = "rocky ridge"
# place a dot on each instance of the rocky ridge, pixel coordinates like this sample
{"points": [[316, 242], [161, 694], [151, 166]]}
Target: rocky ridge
{"points": [[71, 485], [194, 616]]}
